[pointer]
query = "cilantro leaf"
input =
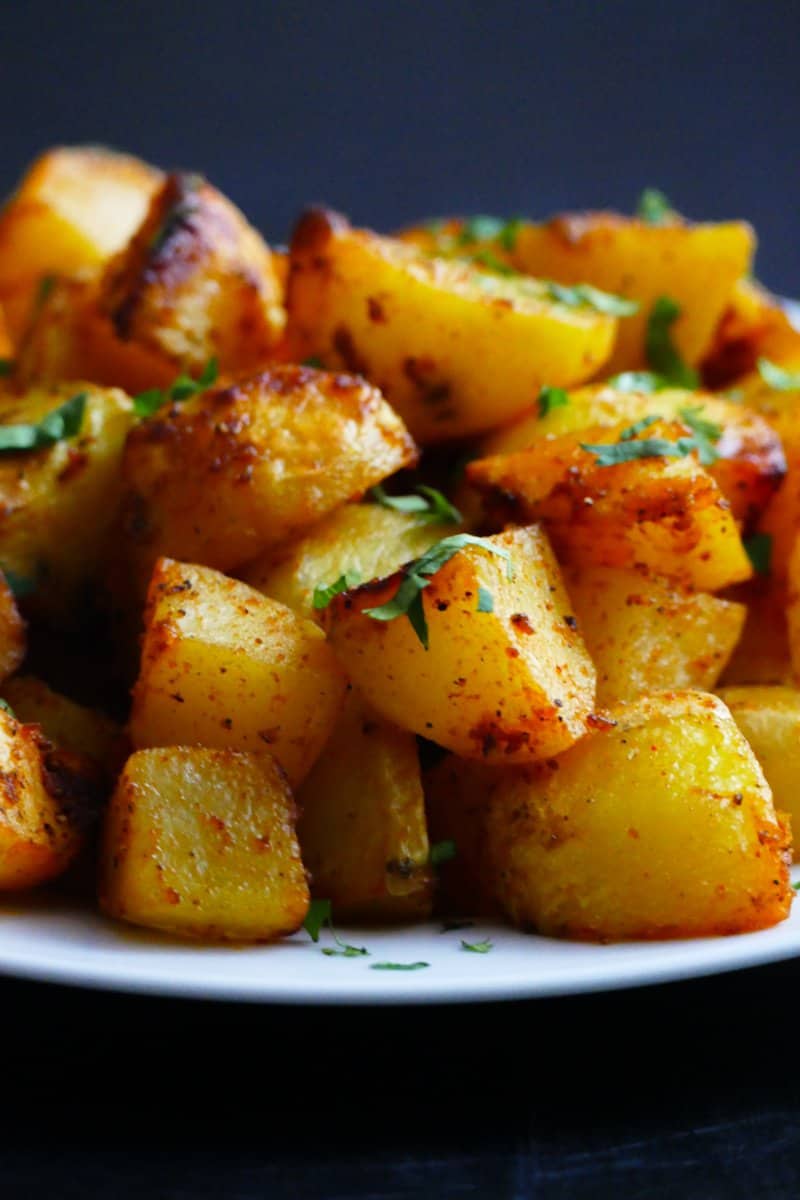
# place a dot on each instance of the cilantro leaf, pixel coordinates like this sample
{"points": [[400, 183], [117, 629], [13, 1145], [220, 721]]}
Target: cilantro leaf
{"points": [[429, 505], [416, 575], [318, 915], [442, 852], [346, 951], [20, 585], [550, 398], [637, 381], [706, 433], [6, 367], [614, 453], [323, 595], [396, 966], [478, 947], [653, 207], [638, 427], [777, 377], [661, 353], [485, 601], [6, 707], [63, 422], [583, 295], [759, 551], [149, 402]]}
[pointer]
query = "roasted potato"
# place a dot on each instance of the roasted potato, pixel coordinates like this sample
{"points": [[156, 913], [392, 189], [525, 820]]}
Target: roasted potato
{"points": [[201, 843], [68, 725], [753, 326], [75, 207], [233, 472], [762, 653], [659, 825], [13, 641], [362, 826], [504, 677], [458, 794], [196, 282], [224, 666], [455, 349], [645, 633]]}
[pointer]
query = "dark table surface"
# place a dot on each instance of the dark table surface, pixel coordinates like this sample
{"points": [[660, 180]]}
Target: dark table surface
{"points": [[690, 1090]]}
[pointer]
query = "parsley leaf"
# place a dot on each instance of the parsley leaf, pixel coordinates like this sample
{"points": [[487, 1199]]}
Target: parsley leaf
{"points": [[485, 600], [637, 381], [777, 377], [485, 258], [583, 295], [20, 585], [653, 207], [63, 422], [478, 947], [638, 427], [346, 951], [395, 966], [6, 707], [6, 367], [759, 551], [429, 506], [550, 398], [407, 600], [442, 852], [614, 453], [660, 349], [323, 595], [706, 433], [318, 915], [146, 403]]}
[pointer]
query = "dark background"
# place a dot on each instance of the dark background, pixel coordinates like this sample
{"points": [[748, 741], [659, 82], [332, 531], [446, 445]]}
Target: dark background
{"points": [[390, 111]]}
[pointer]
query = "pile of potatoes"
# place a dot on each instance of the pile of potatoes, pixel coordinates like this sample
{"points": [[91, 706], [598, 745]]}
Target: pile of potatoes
{"points": [[449, 572]]}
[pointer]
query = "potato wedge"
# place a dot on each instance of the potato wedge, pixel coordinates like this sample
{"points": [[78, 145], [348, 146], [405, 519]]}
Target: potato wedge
{"points": [[667, 514], [13, 640], [226, 476], [660, 825], [201, 843], [645, 634], [456, 350], [223, 666], [362, 827], [365, 539], [196, 282], [75, 207], [68, 725], [505, 677]]}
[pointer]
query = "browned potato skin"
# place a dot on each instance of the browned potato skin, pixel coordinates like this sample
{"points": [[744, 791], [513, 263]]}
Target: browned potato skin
{"points": [[362, 827], [752, 326], [224, 666], [13, 640], [762, 653], [196, 282], [647, 634], [68, 725], [503, 686], [222, 478], [679, 837], [201, 844], [458, 795]]}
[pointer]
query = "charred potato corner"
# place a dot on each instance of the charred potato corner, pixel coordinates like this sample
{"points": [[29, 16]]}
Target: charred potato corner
{"points": [[445, 571]]}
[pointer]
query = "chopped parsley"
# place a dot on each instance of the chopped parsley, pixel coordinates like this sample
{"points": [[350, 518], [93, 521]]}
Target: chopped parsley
{"points": [[323, 595], [706, 433], [20, 585], [660, 349], [777, 377], [407, 600], [442, 852], [653, 208], [637, 381], [485, 601], [478, 947], [429, 506], [396, 966], [638, 427], [6, 707], [485, 258], [318, 916], [759, 550], [613, 453], [550, 398], [583, 295], [149, 402], [63, 422], [346, 951], [490, 229]]}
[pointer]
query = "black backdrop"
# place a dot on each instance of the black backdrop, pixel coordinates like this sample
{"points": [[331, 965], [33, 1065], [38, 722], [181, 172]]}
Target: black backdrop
{"points": [[391, 110]]}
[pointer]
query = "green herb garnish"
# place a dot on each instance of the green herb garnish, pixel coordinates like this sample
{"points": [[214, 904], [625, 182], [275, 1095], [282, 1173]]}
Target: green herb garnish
{"points": [[429, 506], [706, 433], [442, 852], [550, 398], [662, 355], [20, 585], [613, 453], [63, 422], [637, 381], [314, 362], [323, 595], [489, 229], [478, 947], [6, 367], [583, 295], [6, 707], [407, 600], [778, 378], [485, 601], [149, 402], [638, 427], [485, 258], [759, 550], [346, 951], [653, 207], [318, 916], [395, 966]]}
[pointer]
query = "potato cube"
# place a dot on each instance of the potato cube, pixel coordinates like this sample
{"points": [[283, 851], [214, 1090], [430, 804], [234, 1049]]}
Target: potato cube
{"points": [[456, 350], [201, 843], [69, 725], [659, 825], [226, 667], [362, 826], [505, 676]]}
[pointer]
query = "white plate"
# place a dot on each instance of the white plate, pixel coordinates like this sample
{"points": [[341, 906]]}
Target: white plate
{"points": [[73, 946]]}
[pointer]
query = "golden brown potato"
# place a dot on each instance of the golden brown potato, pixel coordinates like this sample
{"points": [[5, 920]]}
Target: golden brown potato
{"points": [[456, 350], [363, 539], [224, 666], [75, 207], [762, 653], [665, 513], [201, 843], [13, 641], [70, 726], [754, 325], [196, 282], [660, 825], [645, 634], [458, 794], [231, 473], [362, 827], [57, 503], [505, 677], [751, 461], [769, 717], [695, 265], [6, 349]]}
